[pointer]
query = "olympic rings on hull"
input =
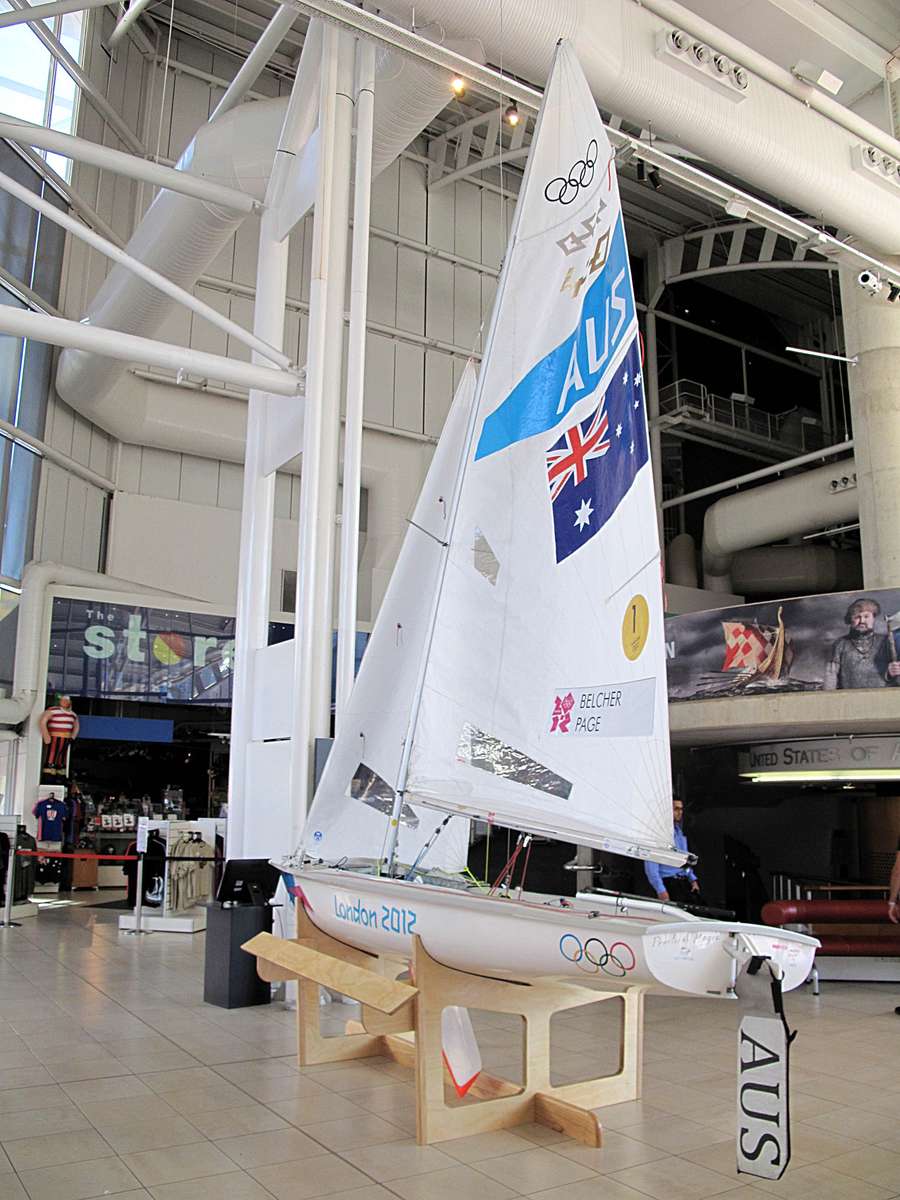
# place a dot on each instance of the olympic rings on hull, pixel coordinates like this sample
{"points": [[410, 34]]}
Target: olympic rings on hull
{"points": [[593, 956], [565, 188]]}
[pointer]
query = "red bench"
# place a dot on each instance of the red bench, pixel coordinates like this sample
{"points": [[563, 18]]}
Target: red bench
{"points": [[844, 943]]}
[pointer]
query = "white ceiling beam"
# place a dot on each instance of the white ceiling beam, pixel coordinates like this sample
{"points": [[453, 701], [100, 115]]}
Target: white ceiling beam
{"points": [[847, 39]]}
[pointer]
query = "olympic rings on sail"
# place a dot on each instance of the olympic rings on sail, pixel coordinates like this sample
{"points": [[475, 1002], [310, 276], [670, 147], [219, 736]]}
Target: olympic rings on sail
{"points": [[564, 188], [592, 957]]}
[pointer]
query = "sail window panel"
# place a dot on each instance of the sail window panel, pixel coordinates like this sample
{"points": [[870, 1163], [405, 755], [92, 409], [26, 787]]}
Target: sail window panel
{"points": [[368, 787], [486, 562], [490, 754]]}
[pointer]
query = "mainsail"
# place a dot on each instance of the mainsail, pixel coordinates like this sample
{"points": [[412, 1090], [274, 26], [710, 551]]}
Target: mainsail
{"points": [[543, 702], [347, 818]]}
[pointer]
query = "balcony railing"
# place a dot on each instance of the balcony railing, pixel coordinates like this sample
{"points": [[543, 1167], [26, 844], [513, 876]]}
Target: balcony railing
{"points": [[688, 398]]}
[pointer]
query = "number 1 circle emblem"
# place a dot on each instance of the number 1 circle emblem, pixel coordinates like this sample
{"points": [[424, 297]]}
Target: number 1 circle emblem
{"points": [[635, 627]]}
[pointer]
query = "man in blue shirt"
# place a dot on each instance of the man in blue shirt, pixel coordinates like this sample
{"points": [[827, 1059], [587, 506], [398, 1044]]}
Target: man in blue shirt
{"points": [[678, 884]]}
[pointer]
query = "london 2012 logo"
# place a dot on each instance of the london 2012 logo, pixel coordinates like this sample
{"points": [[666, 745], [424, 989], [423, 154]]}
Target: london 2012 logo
{"points": [[562, 713], [565, 188], [594, 957]]}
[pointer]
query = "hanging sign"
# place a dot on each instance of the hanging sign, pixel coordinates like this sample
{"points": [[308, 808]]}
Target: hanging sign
{"points": [[844, 641]]}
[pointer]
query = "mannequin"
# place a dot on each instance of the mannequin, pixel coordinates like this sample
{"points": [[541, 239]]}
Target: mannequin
{"points": [[59, 727]]}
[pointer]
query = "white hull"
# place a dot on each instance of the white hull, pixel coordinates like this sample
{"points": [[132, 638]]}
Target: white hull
{"points": [[604, 941]]}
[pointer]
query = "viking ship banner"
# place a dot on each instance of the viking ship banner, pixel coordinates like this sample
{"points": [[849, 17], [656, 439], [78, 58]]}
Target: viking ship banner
{"points": [[845, 640]]}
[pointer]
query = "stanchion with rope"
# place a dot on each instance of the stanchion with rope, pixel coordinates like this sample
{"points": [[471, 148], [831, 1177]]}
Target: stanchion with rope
{"points": [[11, 884], [138, 901]]}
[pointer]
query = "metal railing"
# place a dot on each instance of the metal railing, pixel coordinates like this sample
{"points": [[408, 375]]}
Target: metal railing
{"points": [[689, 398]]}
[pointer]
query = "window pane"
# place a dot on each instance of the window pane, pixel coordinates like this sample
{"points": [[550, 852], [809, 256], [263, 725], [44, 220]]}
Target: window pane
{"points": [[18, 222], [24, 73], [51, 241], [31, 407], [18, 528]]}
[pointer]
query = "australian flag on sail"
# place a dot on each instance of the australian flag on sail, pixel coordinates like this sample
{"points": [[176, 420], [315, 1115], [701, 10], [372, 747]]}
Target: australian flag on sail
{"points": [[593, 464]]}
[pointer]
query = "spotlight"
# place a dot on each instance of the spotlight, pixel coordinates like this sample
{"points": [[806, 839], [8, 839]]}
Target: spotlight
{"points": [[654, 179], [458, 86], [511, 115], [893, 292], [641, 171], [869, 282]]}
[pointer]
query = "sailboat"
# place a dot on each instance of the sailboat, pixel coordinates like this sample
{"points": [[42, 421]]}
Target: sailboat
{"points": [[516, 670]]}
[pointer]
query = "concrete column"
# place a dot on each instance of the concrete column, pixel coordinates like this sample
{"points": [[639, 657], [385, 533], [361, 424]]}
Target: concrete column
{"points": [[872, 333]]}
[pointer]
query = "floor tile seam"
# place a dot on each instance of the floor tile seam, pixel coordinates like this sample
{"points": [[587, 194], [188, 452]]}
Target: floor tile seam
{"points": [[343, 1155], [78, 975]]}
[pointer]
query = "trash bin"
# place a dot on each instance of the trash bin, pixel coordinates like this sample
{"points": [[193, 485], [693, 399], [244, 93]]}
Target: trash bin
{"points": [[230, 979]]}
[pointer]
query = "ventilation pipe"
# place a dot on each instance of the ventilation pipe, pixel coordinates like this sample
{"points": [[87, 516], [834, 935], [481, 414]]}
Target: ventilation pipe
{"points": [[180, 237], [681, 561], [770, 133], [37, 578], [803, 503], [800, 570]]}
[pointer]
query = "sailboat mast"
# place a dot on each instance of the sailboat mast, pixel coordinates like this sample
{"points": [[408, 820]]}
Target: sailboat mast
{"points": [[403, 774]]}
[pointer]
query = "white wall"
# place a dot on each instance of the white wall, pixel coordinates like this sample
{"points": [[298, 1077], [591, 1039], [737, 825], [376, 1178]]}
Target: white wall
{"points": [[176, 513], [175, 520]]}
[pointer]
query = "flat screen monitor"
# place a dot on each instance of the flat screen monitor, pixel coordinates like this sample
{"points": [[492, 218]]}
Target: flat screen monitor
{"points": [[248, 881]]}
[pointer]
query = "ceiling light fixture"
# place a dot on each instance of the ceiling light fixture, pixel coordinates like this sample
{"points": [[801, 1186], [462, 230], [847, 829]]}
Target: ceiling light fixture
{"points": [[458, 86], [821, 354], [837, 775], [511, 115], [737, 208], [806, 72]]}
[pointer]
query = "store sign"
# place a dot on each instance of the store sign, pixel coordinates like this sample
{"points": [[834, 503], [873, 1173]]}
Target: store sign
{"points": [[837, 754], [124, 651], [838, 642]]}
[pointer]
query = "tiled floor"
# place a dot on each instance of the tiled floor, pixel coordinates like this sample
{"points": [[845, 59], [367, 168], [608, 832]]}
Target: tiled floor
{"points": [[116, 1079]]}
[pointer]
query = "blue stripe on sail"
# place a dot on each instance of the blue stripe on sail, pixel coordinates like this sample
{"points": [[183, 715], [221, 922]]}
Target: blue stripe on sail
{"points": [[575, 368]]}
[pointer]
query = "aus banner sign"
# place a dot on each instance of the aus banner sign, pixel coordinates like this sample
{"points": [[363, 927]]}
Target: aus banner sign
{"points": [[763, 1050], [763, 1127]]}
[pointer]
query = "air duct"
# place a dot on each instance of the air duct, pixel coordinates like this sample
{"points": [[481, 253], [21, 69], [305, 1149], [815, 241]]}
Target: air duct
{"points": [[681, 561], [804, 503], [801, 570], [180, 237], [782, 136], [744, 131]]}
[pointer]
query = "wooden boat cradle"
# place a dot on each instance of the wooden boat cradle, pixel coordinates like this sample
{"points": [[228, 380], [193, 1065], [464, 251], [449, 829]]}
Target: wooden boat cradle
{"points": [[403, 1022]]}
